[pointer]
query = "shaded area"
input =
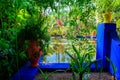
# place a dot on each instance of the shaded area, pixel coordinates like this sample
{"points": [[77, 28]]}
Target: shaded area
{"points": [[68, 76]]}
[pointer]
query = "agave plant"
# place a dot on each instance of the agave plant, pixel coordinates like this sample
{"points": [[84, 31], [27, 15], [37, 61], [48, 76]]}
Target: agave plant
{"points": [[80, 63]]}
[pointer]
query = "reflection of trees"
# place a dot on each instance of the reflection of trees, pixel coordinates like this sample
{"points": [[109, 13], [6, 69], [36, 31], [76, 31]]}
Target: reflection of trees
{"points": [[59, 46]]}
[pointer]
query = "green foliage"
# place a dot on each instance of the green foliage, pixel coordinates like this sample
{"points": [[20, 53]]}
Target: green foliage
{"points": [[8, 14], [34, 30], [9, 59], [83, 9], [46, 75], [81, 62], [113, 67], [14, 14], [105, 6], [9, 55], [116, 8], [3, 44], [109, 6], [28, 19]]}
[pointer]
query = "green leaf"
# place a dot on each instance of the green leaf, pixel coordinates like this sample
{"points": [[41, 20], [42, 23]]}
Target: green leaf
{"points": [[70, 55], [113, 66], [77, 52], [74, 75], [46, 75], [41, 71]]}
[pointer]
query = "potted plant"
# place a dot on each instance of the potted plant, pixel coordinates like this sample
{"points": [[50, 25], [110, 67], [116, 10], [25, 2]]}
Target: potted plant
{"points": [[105, 7], [36, 34]]}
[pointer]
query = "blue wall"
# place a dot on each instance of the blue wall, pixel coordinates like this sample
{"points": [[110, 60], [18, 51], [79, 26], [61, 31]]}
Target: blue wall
{"points": [[108, 44], [115, 53]]}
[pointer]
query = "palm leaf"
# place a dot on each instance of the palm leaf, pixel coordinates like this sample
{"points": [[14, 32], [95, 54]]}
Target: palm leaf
{"points": [[79, 59], [73, 58]]}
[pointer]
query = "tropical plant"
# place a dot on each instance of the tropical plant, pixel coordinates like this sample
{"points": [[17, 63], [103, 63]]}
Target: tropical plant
{"points": [[108, 7], [105, 6], [9, 59], [46, 74], [80, 63], [37, 36], [34, 29]]}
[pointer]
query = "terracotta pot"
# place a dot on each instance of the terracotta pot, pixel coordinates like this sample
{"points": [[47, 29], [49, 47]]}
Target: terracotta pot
{"points": [[33, 52], [107, 17]]}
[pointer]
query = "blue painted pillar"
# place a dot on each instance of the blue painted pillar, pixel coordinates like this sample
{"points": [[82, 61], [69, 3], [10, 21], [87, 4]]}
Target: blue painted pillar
{"points": [[104, 42]]}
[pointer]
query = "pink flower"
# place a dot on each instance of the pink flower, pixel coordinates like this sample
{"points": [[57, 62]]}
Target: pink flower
{"points": [[59, 22]]}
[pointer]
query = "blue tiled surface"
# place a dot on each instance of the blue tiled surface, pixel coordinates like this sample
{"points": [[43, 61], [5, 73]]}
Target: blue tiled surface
{"points": [[25, 73], [28, 73], [54, 65]]}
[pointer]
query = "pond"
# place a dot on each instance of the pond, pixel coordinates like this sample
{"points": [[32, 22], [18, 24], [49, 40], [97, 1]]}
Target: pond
{"points": [[57, 48], [57, 58]]}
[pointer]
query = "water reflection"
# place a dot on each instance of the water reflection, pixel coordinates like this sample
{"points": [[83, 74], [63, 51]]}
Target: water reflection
{"points": [[57, 58], [57, 48]]}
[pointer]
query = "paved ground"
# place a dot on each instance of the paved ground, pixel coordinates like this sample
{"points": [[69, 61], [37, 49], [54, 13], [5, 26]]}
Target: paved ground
{"points": [[68, 76]]}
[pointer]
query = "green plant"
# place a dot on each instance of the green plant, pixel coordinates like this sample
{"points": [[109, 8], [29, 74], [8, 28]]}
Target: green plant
{"points": [[106, 10], [113, 67], [104, 6], [116, 9], [46, 75], [35, 30], [80, 63], [9, 54], [9, 60]]}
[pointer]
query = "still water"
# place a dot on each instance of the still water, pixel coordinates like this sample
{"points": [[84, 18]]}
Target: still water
{"points": [[56, 53], [57, 58]]}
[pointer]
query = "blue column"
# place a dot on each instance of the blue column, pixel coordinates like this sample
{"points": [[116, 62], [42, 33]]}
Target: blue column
{"points": [[104, 42]]}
